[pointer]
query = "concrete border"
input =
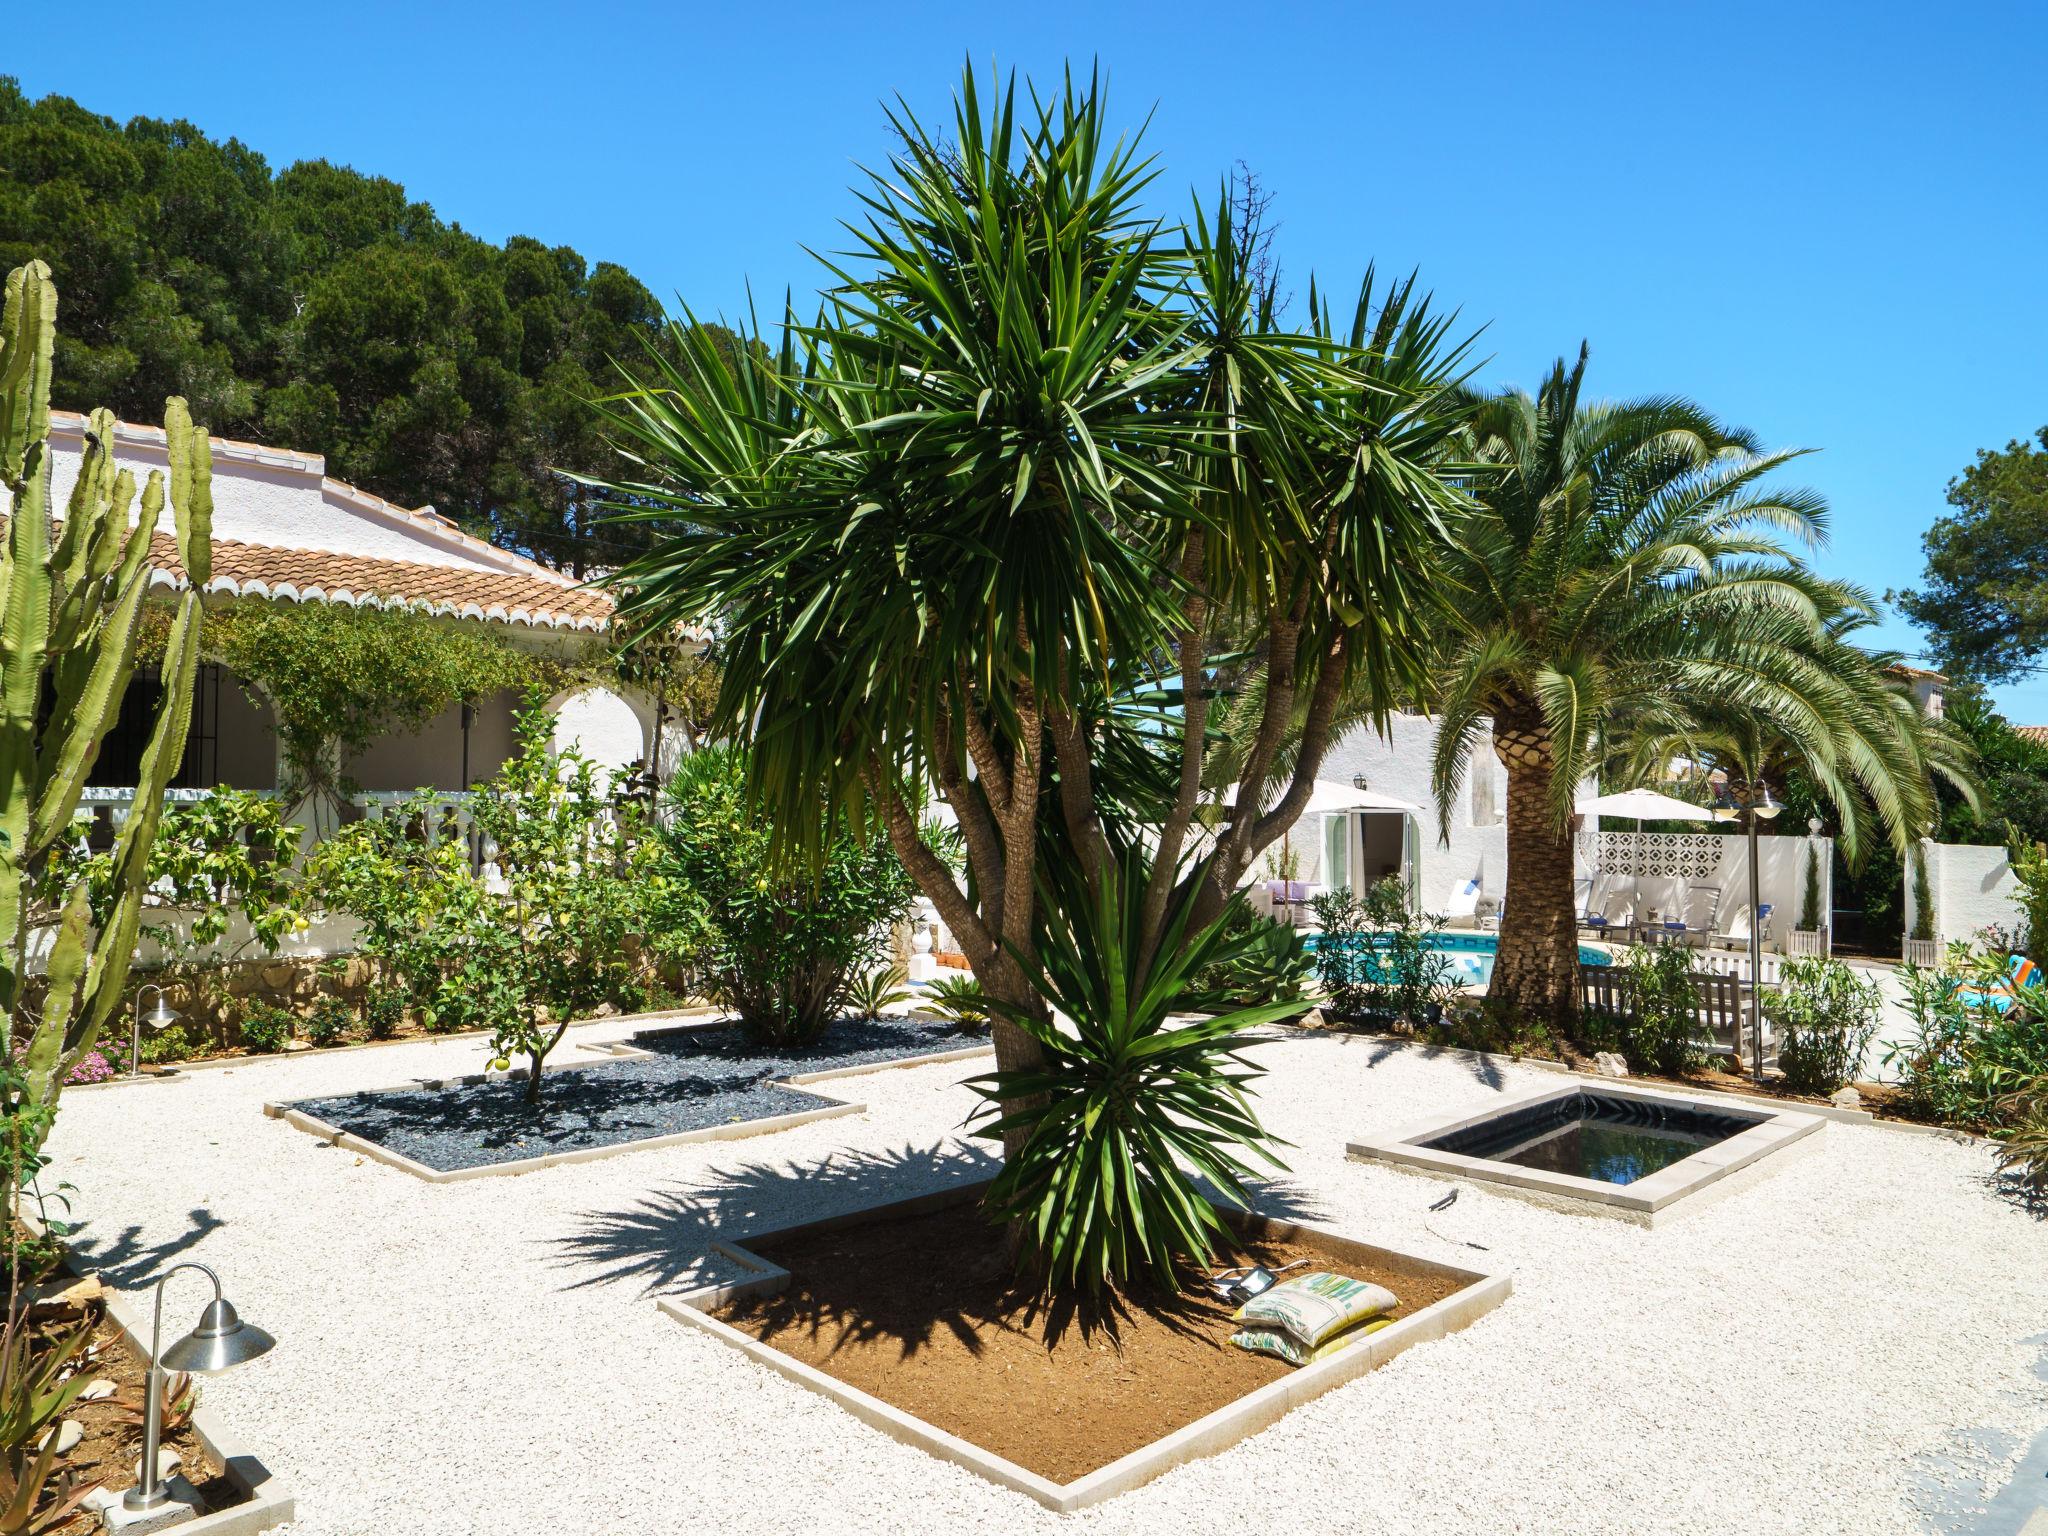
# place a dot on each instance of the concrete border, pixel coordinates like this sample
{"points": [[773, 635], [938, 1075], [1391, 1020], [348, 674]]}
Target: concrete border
{"points": [[1704, 1095], [172, 1071], [1208, 1435], [1648, 1202], [829, 1108], [264, 1505]]}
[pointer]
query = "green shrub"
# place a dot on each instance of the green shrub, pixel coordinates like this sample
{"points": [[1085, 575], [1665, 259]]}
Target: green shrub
{"points": [[383, 1012], [1268, 962], [2023, 1154], [1965, 1060], [867, 995], [960, 999], [1825, 1016], [1476, 1024], [265, 1028], [1660, 1032], [1379, 959], [171, 1043], [329, 1019], [777, 944], [1343, 950], [1127, 1112]]}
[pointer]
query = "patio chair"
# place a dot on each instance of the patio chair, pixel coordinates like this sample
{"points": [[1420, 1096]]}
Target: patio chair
{"points": [[1733, 933], [1462, 903], [1614, 916], [1702, 905]]}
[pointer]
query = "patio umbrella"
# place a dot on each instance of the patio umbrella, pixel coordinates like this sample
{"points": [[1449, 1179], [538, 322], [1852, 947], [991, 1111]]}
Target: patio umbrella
{"points": [[1642, 805]]}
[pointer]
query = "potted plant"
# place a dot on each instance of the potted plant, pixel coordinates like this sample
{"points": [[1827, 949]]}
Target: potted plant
{"points": [[1923, 948], [1809, 935]]}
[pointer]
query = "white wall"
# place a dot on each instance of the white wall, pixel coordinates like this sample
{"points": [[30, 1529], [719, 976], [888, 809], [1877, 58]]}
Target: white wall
{"points": [[1972, 887], [1398, 764], [609, 728]]}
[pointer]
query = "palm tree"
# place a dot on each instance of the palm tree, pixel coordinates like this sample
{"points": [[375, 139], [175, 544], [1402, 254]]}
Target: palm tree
{"points": [[1628, 581]]}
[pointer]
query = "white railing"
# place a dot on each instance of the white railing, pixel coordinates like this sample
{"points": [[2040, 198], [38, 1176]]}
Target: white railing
{"points": [[442, 815]]}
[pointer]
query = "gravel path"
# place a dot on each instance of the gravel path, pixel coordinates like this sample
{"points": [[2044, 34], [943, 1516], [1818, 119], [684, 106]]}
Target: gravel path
{"points": [[693, 1079], [486, 1356]]}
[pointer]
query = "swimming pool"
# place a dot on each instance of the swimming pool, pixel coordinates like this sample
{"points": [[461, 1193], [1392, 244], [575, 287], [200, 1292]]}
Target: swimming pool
{"points": [[1471, 956]]}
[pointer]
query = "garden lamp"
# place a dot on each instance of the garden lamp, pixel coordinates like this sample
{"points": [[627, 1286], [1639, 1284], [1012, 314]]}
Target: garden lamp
{"points": [[220, 1342], [160, 1017]]}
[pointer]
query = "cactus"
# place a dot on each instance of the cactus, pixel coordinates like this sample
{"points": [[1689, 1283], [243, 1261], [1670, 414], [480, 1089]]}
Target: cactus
{"points": [[73, 592]]}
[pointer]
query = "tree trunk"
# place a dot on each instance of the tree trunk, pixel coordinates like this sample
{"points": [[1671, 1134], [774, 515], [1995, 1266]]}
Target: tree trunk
{"points": [[1536, 973]]}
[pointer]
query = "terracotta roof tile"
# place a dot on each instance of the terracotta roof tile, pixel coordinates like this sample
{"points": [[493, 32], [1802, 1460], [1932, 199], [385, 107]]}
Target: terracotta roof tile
{"points": [[309, 575], [2034, 733]]}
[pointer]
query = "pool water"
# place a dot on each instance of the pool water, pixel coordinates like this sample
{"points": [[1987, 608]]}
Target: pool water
{"points": [[1592, 1135], [1472, 956]]}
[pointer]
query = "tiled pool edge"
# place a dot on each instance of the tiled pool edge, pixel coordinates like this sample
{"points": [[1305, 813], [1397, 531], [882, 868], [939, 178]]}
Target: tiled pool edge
{"points": [[1207, 1436], [1648, 1202], [829, 1108]]}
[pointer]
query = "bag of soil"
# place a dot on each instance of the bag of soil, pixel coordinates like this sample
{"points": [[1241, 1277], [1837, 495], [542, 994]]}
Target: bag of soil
{"points": [[1313, 1308], [1270, 1341]]}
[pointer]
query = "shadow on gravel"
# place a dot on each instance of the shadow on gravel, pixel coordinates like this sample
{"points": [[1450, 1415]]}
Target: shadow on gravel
{"points": [[660, 1241], [1381, 1046], [125, 1262]]}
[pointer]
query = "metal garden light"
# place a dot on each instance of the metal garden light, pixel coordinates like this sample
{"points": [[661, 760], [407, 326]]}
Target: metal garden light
{"points": [[1750, 802], [160, 1017], [220, 1342]]}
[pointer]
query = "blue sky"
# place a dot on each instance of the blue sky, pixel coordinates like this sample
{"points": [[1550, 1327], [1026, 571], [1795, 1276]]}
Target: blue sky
{"points": [[1825, 223]]}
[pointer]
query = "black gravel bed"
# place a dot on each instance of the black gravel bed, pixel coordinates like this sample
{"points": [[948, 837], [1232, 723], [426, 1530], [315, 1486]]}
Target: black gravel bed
{"points": [[693, 1080]]}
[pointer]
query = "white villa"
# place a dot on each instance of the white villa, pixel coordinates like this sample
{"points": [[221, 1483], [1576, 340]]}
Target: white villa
{"points": [[284, 532]]}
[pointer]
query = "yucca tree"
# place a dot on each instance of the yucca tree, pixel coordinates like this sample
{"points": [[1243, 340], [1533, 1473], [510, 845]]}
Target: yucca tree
{"points": [[1035, 450], [1630, 579]]}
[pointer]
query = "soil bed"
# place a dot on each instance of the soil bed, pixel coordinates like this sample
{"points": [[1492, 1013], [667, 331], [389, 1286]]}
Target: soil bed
{"points": [[692, 1081], [927, 1314]]}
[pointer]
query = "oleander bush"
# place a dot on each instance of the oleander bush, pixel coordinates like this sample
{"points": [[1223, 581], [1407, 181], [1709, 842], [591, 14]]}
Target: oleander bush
{"points": [[1660, 1030], [1825, 1016]]}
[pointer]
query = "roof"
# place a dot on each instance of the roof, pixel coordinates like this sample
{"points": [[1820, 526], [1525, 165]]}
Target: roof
{"points": [[481, 581], [2033, 733], [1905, 671], [540, 600]]}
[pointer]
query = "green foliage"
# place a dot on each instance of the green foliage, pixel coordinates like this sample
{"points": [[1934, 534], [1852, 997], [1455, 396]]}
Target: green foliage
{"points": [[1923, 896], [224, 853], [1985, 602], [73, 586], [344, 675], [169, 1044], [1824, 1016], [778, 945], [39, 1382], [1378, 959], [869, 994], [320, 308], [1809, 892], [2023, 1154], [1966, 1059], [961, 999], [1263, 961], [266, 1028], [563, 919], [383, 1012], [329, 1020], [1660, 1032], [2029, 862], [1127, 1109], [1344, 951]]}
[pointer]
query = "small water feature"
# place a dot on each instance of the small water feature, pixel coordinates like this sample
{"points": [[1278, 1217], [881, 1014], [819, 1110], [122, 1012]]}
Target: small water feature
{"points": [[1593, 1135]]}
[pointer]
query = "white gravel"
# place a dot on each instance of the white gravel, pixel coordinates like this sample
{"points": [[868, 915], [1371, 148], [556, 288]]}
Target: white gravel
{"points": [[486, 1356]]}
